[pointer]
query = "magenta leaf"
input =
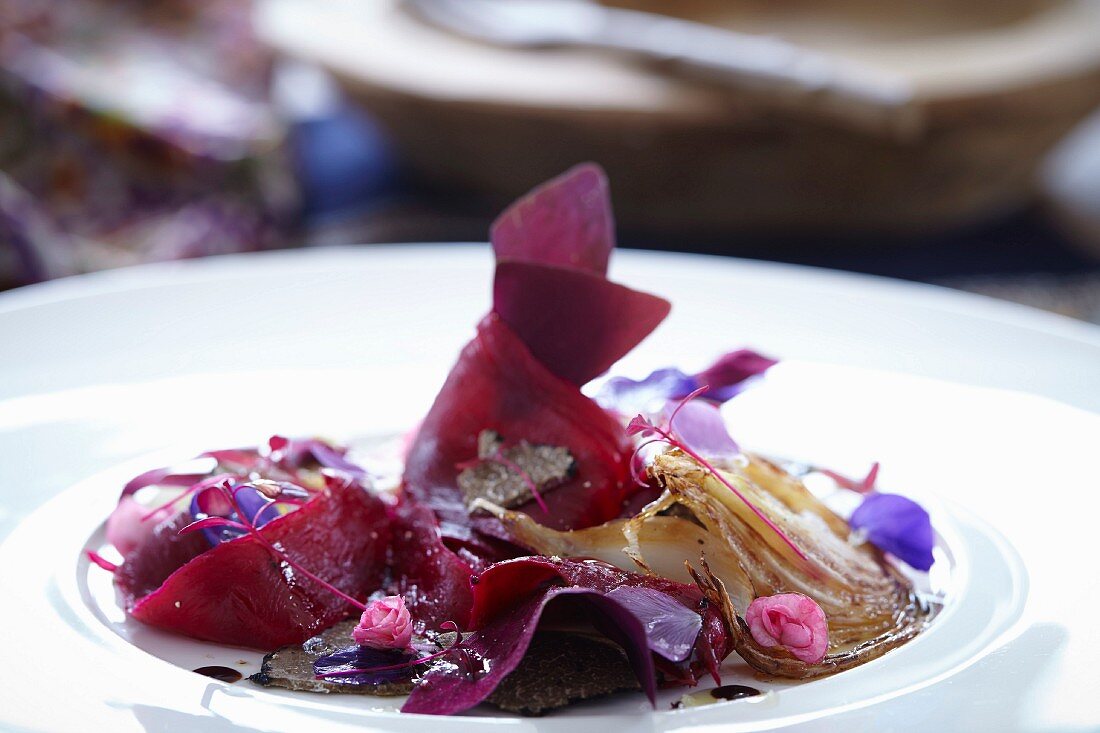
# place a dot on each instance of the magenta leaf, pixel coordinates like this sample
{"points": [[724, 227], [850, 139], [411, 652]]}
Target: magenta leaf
{"points": [[577, 323], [726, 376], [640, 425]]}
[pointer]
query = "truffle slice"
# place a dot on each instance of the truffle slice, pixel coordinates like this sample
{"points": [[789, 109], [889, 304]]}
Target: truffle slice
{"points": [[292, 667], [560, 668], [495, 478]]}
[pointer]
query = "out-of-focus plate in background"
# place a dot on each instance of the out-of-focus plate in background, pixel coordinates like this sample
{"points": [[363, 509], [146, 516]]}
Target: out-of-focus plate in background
{"points": [[1000, 83]]}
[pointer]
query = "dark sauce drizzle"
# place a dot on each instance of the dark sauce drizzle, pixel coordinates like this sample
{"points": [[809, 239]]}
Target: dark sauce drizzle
{"points": [[222, 674], [733, 692]]}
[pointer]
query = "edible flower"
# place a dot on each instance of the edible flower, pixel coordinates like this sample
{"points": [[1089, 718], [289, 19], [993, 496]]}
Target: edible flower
{"points": [[790, 620], [723, 379], [892, 523], [897, 525], [700, 425], [385, 624]]}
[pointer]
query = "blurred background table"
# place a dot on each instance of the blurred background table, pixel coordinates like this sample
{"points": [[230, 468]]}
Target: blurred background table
{"points": [[143, 131]]}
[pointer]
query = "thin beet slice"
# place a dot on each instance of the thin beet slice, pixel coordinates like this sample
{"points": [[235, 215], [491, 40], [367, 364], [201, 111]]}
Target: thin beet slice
{"points": [[238, 593], [498, 385], [566, 221], [578, 324], [434, 580]]}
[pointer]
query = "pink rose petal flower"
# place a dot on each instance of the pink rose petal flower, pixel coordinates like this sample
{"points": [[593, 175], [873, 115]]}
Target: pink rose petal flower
{"points": [[385, 624], [790, 620]]}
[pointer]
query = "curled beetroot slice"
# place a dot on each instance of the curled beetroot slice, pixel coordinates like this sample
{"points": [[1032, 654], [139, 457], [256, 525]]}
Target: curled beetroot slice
{"points": [[498, 385], [566, 221], [575, 322]]}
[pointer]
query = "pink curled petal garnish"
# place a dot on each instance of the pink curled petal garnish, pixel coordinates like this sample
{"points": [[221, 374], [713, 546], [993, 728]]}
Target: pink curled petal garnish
{"points": [[790, 620], [385, 624], [131, 523]]}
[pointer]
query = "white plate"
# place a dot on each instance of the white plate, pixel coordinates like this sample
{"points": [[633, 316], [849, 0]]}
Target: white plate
{"points": [[348, 343]]}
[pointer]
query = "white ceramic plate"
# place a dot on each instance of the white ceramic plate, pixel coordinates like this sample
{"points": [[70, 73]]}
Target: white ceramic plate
{"points": [[353, 344]]}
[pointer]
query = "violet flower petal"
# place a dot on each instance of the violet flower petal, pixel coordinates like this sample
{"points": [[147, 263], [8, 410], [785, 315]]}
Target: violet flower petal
{"points": [[639, 395], [699, 425], [671, 627], [363, 657], [897, 525]]}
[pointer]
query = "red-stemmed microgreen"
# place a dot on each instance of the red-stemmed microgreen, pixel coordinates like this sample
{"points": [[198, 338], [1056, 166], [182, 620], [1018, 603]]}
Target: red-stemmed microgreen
{"points": [[456, 646], [101, 561], [247, 525], [866, 485], [641, 426], [206, 483]]}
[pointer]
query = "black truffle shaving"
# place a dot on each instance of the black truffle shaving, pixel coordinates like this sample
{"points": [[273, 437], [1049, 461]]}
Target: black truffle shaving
{"points": [[560, 668], [496, 481], [292, 667]]}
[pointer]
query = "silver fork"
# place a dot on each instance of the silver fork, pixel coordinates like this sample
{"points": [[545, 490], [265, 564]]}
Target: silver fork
{"points": [[774, 72]]}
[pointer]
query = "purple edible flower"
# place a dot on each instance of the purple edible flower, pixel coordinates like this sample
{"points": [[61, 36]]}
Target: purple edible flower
{"points": [[723, 379], [897, 525], [700, 425], [364, 665], [629, 395]]}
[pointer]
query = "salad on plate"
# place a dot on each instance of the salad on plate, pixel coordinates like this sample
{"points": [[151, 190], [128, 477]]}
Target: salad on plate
{"points": [[555, 535]]}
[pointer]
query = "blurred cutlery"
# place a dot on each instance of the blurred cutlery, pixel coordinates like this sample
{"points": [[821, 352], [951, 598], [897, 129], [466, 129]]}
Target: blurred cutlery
{"points": [[774, 72]]}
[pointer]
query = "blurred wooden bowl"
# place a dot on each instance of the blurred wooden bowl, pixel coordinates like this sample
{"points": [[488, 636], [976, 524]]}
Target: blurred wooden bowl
{"points": [[1000, 82]]}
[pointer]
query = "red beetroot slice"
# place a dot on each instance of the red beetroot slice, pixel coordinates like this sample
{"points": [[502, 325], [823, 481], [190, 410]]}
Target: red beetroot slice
{"points": [[498, 385], [566, 221], [434, 580], [238, 593], [578, 324]]}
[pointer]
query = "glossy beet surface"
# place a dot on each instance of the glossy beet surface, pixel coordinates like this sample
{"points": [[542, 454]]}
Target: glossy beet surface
{"points": [[239, 593]]}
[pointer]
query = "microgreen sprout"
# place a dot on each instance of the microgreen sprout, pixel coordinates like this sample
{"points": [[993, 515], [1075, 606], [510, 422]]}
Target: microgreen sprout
{"points": [[101, 561], [206, 483], [864, 486], [641, 426]]}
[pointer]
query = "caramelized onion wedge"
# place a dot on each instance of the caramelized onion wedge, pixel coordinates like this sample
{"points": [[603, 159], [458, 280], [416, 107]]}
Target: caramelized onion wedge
{"points": [[870, 606]]}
